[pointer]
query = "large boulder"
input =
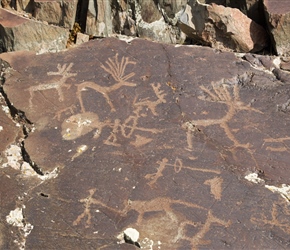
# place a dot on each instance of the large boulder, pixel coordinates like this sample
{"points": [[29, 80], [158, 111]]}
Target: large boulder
{"points": [[56, 12], [20, 33], [278, 19], [222, 28], [252, 8], [148, 145]]}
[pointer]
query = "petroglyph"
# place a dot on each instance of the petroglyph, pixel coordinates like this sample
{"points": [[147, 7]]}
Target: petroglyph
{"points": [[63, 71], [279, 144], [177, 166], [153, 104], [116, 69], [80, 124], [167, 217], [221, 94], [88, 201], [279, 218], [112, 138], [127, 128], [215, 187], [69, 109], [140, 141]]}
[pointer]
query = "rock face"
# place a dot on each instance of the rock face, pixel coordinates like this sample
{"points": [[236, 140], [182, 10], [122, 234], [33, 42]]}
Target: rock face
{"points": [[278, 19], [252, 8], [222, 28], [232, 25], [60, 13], [161, 153], [19, 33]]}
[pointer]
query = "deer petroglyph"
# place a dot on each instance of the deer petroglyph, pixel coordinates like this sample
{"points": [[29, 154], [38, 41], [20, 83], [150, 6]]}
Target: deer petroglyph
{"points": [[116, 69], [63, 71], [221, 94]]}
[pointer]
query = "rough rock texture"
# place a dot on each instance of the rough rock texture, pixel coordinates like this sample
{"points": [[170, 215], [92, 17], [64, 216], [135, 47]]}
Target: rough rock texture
{"points": [[278, 19], [150, 140], [286, 64], [19, 5], [61, 13], [252, 8], [8, 129], [97, 18], [222, 28], [19, 33]]}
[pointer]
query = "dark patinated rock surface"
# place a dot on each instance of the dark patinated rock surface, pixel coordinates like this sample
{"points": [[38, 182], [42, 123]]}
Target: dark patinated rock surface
{"points": [[151, 137]]}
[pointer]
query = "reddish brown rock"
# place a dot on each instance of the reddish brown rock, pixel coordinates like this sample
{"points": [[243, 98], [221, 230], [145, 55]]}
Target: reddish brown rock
{"points": [[252, 8], [222, 28], [19, 33], [278, 20], [162, 146]]}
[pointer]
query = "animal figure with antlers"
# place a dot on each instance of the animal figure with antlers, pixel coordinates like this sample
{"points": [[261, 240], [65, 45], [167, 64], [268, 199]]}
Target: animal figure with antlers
{"points": [[63, 71], [116, 69]]}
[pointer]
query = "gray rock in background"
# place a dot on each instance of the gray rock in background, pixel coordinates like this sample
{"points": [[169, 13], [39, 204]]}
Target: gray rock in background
{"points": [[19, 33], [56, 12]]}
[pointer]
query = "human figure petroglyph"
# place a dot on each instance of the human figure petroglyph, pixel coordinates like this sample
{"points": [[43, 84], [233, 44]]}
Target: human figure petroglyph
{"points": [[177, 166], [88, 201], [63, 71], [163, 205], [221, 94], [116, 69]]}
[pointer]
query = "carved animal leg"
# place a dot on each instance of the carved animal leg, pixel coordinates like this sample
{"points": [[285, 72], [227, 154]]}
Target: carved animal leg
{"points": [[232, 137], [60, 94], [79, 96], [109, 101]]}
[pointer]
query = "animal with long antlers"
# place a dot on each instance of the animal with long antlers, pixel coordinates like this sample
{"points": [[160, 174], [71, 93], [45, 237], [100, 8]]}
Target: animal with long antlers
{"points": [[116, 69]]}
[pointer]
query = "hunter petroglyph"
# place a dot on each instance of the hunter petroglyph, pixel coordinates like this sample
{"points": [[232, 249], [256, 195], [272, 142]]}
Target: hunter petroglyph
{"points": [[80, 124], [160, 146], [166, 214], [177, 167]]}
